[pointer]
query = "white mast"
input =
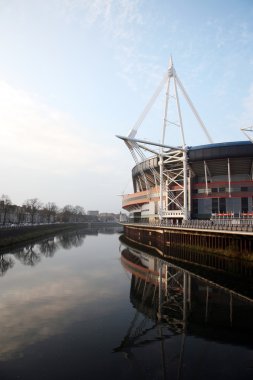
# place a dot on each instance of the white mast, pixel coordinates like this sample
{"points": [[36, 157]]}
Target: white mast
{"points": [[173, 168], [245, 132]]}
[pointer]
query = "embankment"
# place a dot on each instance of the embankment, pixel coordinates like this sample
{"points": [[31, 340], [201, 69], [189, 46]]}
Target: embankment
{"points": [[12, 236], [234, 244]]}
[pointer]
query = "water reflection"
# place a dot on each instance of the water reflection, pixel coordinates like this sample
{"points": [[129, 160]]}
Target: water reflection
{"points": [[31, 253], [6, 263], [62, 318], [39, 303], [48, 247], [177, 304]]}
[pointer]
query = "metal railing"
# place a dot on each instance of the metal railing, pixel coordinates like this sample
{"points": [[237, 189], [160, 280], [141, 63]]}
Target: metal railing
{"points": [[220, 225]]}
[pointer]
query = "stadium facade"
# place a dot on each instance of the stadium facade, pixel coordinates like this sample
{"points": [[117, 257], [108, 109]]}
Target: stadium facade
{"points": [[187, 182], [219, 184]]}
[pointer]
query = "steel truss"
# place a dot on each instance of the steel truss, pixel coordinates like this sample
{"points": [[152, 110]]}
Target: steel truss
{"points": [[173, 177], [246, 131]]}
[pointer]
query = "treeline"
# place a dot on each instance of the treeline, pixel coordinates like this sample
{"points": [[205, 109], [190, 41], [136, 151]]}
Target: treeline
{"points": [[33, 211]]}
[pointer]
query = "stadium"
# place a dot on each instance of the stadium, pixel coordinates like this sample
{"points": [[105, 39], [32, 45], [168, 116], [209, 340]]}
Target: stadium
{"points": [[219, 184], [176, 183]]}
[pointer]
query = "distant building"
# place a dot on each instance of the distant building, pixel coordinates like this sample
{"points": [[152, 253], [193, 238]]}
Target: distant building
{"points": [[93, 212], [109, 217]]}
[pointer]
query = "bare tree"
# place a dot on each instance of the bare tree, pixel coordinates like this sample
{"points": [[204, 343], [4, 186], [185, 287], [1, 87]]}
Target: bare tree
{"points": [[78, 212], [50, 211], [67, 213], [32, 207]]}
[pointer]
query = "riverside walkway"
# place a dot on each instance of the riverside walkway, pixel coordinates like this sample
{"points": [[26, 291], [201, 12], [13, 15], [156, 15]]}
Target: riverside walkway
{"points": [[235, 240], [228, 226]]}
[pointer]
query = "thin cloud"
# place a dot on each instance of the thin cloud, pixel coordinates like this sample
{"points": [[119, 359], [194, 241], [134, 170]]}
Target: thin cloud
{"points": [[112, 16], [121, 25], [33, 134], [41, 145], [247, 117]]}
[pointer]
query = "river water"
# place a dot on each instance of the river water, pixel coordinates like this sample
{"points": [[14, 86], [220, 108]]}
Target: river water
{"points": [[84, 305]]}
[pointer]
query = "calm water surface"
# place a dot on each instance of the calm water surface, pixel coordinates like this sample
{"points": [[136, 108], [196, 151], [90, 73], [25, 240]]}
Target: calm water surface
{"points": [[85, 306]]}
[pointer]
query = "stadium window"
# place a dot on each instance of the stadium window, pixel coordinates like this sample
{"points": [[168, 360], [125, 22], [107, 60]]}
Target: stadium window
{"points": [[195, 208], [222, 204], [245, 205], [215, 207]]}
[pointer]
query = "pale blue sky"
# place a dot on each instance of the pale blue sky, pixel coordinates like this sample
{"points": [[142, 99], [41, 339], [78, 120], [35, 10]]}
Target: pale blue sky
{"points": [[74, 73]]}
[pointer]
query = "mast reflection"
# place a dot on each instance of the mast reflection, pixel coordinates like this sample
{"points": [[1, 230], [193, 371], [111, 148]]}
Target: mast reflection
{"points": [[171, 301]]}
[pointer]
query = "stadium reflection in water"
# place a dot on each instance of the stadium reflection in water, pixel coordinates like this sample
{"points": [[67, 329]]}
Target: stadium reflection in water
{"points": [[65, 312], [174, 304]]}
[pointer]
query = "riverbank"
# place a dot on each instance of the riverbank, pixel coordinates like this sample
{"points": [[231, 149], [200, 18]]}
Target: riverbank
{"points": [[232, 244], [11, 236]]}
